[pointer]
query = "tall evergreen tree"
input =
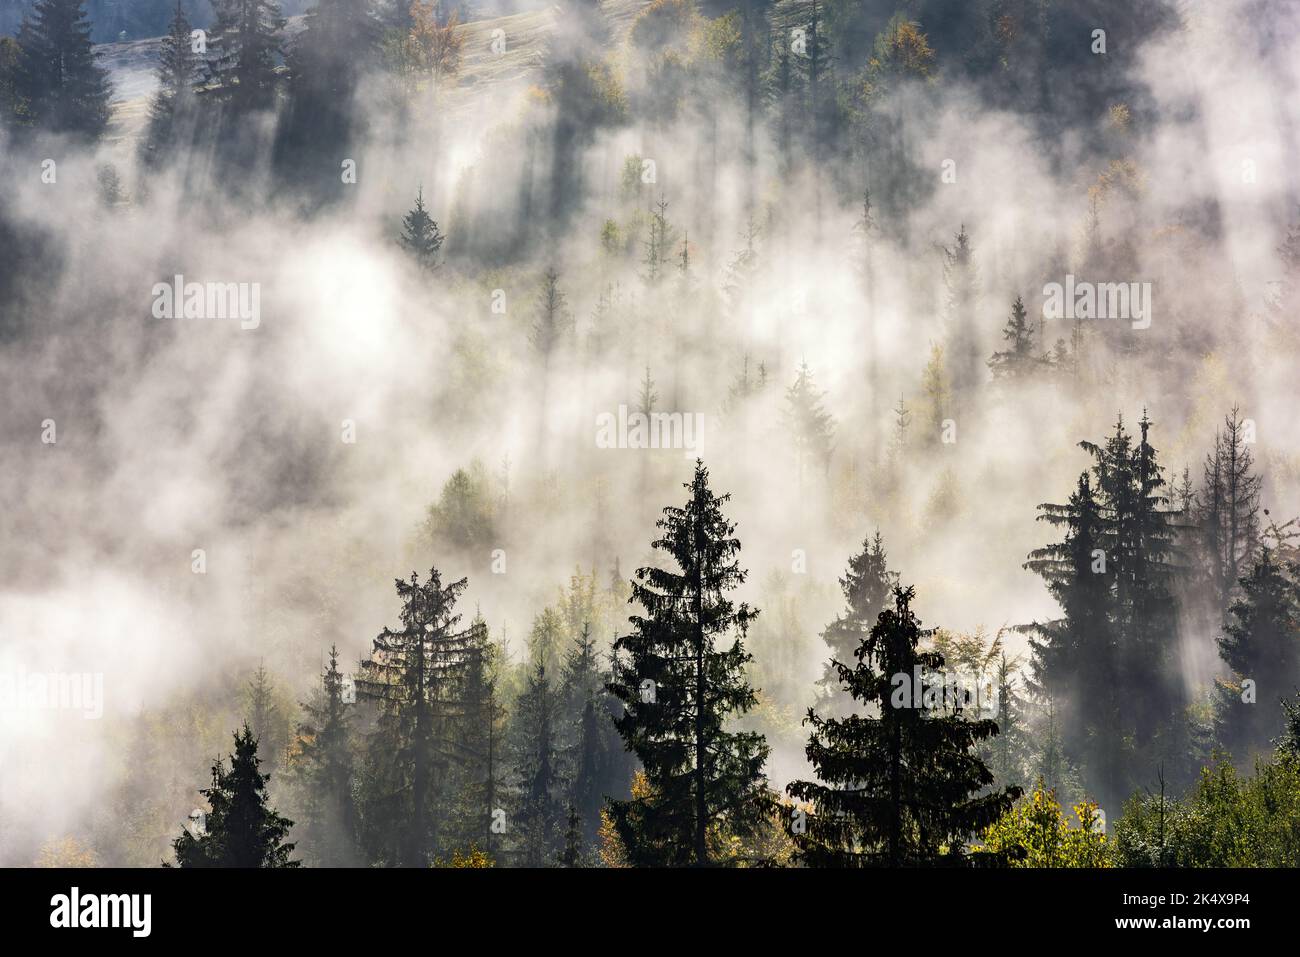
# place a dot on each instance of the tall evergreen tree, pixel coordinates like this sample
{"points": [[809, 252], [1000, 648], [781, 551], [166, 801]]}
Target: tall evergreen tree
{"points": [[241, 830], [539, 813], [899, 784], [420, 234], [1018, 360], [552, 320], [172, 107], [590, 740], [1113, 655], [245, 42], [867, 585], [59, 86], [960, 278], [415, 676], [679, 688], [1260, 644], [1229, 508], [325, 759], [477, 741], [810, 426]]}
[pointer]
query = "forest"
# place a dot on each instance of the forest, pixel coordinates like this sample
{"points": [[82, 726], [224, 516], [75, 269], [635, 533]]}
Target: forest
{"points": [[649, 434]]}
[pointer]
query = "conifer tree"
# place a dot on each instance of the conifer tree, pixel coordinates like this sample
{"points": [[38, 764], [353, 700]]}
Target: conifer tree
{"points": [[420, 234], [172, 106], [245, 41], [1260, 644], [899, 783], [679, 685], [572, 854], [589, 736], [959, 276], [937, 392], [867, 585], [241, 829], [477, 744], [1008, 748], [552, 320], [59, 86], [538, 817], [325, 757], [415, 676], [1113, 655], [1018, 361], [810, 426], [270, 724], [1229, 508]]}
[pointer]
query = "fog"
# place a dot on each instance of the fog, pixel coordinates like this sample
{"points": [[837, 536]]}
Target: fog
{"points": [[173, 435]]}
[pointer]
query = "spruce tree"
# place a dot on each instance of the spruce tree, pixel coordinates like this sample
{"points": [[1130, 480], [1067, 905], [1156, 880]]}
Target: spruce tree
{"points": [[414, 676], [477, 743], [59, 86], [1018, 361], [1229, 509], [679, 684], [810, 426], [326, 762], [420, 234], [959, 276], [539, 811], [172, 106], [245, 41], [552, 321], [241, 830], [867, 585], [590, 741], [899, 784], [1260, 644], [1111, 660]]}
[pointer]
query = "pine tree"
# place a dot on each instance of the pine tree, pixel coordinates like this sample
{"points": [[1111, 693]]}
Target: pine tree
{"points": [[647, 398], [552, 321], [269, 722], [1229, 508], [938, 395], [245, 40], [476, 742], [241, 830], [810, 426], [659, 245], [325, 759], [172, 106], [589, 736], [1008, 750], [679, 688], [1019, 361], [415, 676], [572, 854], [1113, 654], [867, 585], [59, 85], [899, 784], [1260, 644], [539, 808], [340, 39], [899, 439], [959, 276], [420, 234]]}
